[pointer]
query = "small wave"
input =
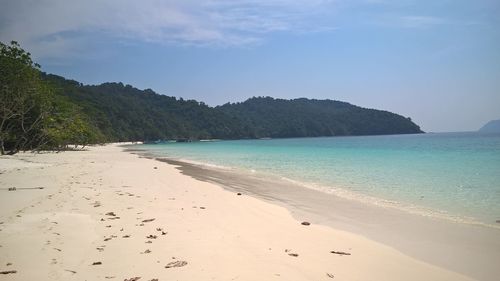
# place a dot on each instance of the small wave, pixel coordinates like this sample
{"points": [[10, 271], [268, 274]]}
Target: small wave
{"points": [[386, 203], [204, 164]]}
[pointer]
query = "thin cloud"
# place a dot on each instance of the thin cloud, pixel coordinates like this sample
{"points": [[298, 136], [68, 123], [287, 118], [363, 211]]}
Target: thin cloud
{"points": [[421, 21], [42, 24]]}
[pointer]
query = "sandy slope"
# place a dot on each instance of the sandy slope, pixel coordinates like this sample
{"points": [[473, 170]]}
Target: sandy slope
{"points": [[58, 232]]}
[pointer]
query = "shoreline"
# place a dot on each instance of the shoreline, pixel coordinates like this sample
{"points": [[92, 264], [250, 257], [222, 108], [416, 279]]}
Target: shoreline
{"points": [[469, 248], [101, 209], [410, 208]]}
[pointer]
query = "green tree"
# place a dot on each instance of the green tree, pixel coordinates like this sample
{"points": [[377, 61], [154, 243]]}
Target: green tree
{"points": [[24, 100], [67, 125], [34, 114]]}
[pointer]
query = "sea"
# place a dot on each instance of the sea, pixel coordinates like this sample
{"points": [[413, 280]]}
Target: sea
{"points": [[454, 176]]}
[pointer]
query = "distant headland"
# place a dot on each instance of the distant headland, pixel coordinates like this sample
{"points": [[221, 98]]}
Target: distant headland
{"points": [[491, 127]]}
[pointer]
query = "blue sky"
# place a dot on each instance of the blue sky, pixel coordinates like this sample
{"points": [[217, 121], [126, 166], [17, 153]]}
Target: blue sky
{"points": [[437, 62]]}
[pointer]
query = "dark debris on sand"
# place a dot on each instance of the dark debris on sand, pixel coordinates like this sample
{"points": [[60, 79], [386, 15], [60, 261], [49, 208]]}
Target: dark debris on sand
{"points": [[176, 264], [340, 253]]}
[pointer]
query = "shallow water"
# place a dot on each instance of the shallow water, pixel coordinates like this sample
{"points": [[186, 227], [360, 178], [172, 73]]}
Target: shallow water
{"points": [[453, 175]]}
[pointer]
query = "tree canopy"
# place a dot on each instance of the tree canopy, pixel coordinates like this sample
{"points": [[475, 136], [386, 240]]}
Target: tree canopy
{"points": [[125, 113], [32, 115]]}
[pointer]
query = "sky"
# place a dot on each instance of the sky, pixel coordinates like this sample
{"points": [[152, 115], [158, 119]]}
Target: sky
{"points": [[436, 61]]}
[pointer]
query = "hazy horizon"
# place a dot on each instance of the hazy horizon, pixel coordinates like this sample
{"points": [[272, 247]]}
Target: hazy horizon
{"points": [[434, 61]]}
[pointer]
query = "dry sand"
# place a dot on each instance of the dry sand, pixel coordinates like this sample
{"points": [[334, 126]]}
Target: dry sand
{"points": [[105, 214]]}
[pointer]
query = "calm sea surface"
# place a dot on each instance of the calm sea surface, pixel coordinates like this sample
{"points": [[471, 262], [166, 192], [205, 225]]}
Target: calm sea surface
{"points": [[452, 175]]}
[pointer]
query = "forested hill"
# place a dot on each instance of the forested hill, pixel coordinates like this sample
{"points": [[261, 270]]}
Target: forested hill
{"points": [[312, 118], [124, 113]]}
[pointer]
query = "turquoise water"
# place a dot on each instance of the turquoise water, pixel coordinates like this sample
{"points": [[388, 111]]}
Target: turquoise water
{"points": [[453, 175]]}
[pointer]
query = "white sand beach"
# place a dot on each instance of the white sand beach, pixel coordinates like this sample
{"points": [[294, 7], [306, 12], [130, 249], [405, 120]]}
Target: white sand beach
{"points": [[106, 214]]}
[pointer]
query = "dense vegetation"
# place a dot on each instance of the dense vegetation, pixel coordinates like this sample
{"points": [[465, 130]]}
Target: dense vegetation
{"points": [[44, 111], [277, 118], [124, 113], [32, 115]]}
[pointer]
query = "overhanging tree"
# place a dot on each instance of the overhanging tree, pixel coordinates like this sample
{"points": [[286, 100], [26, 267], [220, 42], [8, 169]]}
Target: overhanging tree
{"points": [[24, 102], [33, 113]]}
